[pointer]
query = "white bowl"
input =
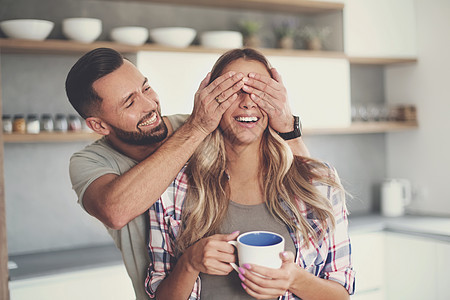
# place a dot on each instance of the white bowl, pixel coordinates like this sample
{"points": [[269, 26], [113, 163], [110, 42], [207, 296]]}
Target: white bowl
{"points": [[29, 29], [130, 35], [84, 30], [221, 39], [179, 37]]}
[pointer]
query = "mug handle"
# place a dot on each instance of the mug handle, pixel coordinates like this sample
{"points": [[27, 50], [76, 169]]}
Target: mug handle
{"points": [[235, 267]]}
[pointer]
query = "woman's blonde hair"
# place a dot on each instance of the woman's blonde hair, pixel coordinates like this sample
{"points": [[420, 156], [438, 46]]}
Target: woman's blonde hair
{"points": [[284, 176]]}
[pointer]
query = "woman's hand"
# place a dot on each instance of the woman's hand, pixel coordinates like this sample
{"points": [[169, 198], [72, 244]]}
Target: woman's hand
{"points": [[212, 255], [270, 95], [266, 283]]}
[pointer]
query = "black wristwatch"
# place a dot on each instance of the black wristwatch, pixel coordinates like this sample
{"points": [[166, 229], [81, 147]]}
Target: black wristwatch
{"points": [[297, 132]]}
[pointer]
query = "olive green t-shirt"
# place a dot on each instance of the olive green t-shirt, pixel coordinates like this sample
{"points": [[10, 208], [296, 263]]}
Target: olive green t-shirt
{"points": [[96, 160], [243, 218]]}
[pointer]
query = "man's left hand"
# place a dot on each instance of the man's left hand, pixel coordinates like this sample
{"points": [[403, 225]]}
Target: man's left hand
{"points": [[270, 95]]}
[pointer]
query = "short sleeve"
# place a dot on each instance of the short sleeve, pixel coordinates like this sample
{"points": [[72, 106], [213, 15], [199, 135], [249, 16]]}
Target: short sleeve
{"points": [[94, 161]]}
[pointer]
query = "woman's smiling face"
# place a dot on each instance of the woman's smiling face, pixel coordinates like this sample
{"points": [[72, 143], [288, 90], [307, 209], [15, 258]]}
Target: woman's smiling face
{"points": [[244, 122]]}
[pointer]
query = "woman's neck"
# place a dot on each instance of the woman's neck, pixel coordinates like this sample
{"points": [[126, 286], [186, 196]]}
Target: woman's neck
{"points": [[243, 167]]}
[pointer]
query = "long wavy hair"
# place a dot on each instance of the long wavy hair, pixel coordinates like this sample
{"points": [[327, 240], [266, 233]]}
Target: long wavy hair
{"points": [[284, 176]]}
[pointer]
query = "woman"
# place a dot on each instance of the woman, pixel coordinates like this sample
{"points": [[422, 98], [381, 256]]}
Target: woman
{"points": [[242, 178]]}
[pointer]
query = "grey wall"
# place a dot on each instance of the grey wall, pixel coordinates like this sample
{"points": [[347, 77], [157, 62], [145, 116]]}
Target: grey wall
{"points": [[42, 213]]}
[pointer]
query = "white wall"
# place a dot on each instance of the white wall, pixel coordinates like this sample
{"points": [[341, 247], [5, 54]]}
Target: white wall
{"points": [[423, 156]]}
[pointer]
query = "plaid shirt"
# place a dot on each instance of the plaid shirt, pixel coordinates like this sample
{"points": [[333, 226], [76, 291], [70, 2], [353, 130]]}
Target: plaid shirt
{"points": [[328, 258]]}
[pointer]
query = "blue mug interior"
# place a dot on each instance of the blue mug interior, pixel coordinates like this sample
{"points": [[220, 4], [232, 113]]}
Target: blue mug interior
{"points": [[260, 239]]}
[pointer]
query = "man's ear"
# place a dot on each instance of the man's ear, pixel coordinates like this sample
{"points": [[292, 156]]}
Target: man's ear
{"points": [[97, 125]]}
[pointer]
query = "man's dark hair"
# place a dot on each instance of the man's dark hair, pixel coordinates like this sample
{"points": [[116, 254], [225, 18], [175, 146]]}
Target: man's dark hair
{"points": [[89, 68]]}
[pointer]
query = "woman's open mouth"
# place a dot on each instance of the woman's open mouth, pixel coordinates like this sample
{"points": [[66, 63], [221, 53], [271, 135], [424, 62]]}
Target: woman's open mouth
{"points": [[247, 119]]}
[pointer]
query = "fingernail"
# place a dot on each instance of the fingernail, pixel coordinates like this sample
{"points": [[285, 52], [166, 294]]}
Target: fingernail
{"points": [[251, 75], [241, 277], [284, 254], [243, 286], [237, 231], [241, 270], [247, 266], [245, 79]]}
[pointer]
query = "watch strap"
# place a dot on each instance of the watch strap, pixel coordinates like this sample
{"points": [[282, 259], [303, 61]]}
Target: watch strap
{"points": [[297, 132]]}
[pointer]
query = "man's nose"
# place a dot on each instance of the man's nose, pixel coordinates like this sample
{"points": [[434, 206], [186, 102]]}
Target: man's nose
{"points": [[148, 103]]}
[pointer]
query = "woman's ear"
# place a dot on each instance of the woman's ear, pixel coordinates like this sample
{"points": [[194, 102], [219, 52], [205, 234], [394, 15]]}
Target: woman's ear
{"points": [[97, 125]]}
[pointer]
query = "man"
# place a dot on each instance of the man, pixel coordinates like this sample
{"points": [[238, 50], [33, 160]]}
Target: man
{"points": [[118, 177]]}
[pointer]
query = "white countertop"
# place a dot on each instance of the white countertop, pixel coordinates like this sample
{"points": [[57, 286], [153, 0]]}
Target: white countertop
{"points": [[432, 227]]}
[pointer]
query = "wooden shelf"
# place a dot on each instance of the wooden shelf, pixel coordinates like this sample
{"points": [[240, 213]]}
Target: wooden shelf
{"points": [[355, 128], [48, 137], [364, 128], [380, 60], [71, 47], [289, 6]]}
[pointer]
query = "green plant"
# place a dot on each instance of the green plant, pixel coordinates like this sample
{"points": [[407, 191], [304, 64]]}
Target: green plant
{"points": [[309, 33], [285, 28], [249, 27]]}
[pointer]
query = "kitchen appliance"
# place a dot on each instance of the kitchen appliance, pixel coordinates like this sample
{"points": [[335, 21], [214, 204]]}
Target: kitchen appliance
{"points": [[395, 196]]}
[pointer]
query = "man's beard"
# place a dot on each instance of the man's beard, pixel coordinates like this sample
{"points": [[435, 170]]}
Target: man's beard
{"points": [[155, 135]]}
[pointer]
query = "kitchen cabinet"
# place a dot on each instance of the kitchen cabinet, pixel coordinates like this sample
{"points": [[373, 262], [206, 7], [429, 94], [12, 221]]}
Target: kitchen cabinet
{"points": [[111, 282], [303, 77], [443, 265], [411, 267], [417, 267], [398, 263], [185, 70], [380, 29], [368, 261]]}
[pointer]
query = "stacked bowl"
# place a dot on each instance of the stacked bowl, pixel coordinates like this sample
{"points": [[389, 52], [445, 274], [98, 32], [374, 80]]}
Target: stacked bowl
{"points": [[28, 29]]}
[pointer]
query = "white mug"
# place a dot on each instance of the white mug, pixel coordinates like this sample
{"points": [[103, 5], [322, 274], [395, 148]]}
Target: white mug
{"points": [[260, 248]]}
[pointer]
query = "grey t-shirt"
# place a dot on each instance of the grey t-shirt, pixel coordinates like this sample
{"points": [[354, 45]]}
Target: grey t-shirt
{"points": [[96, 160], [229, 287]]}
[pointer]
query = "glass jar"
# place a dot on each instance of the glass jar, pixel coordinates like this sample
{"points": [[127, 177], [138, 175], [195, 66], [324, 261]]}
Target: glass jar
{"points": [[19, 124], [61, 124], [7, 124], [33, 124], [47, 123], [74, 123]]}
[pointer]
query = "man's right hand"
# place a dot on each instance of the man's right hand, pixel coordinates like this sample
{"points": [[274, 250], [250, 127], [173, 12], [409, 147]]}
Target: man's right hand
{"points": [[212, 100]]}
